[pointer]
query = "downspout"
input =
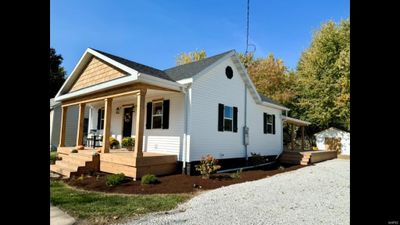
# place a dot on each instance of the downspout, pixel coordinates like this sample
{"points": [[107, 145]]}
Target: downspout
{"points": [[245, 122], [184, 147]]}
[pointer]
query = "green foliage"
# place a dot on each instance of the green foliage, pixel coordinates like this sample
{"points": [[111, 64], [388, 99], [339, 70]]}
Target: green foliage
{"points": [[95, 205], [57, 73], [113, 142], [237, 174], [149, 179], [256, 159], [189, 57], [127, 142], [53, 157], [81, 177], [324, 78], [115, 179], [207, 166]]}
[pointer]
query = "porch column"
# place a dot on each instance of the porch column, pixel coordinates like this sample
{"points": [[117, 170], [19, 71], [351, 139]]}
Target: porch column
{"points": [[64, 110], [81, 116], [302, 138], [139, 123], [291, 137], [107, 125]]}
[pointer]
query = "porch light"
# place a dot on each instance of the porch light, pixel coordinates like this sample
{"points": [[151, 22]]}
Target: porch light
{"points": [[117, 110]]}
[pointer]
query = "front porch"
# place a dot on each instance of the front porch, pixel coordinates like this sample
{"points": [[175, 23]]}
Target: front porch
{"points": [[115, 161], [134, 163]]}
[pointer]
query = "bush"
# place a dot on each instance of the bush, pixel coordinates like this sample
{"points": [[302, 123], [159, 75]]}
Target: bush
{"points": [[150, 179], [115, 179], [128, 142], [256, 159], [237, 175], [207, 166], [113, 142], [53, 157]]}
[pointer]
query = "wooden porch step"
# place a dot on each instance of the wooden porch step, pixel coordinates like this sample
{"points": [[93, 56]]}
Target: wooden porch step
{"points": [[74, 166], [62, 170]]}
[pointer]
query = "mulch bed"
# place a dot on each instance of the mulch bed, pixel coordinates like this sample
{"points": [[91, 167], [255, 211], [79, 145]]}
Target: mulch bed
{"points": [[177, 183]]}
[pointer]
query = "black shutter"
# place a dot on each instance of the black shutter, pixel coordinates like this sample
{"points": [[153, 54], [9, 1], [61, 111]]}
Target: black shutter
{"points": [[98, 119], [148, 115], [235, 112], [265, 123], [273, 124], [165, 114], [220, 117]]}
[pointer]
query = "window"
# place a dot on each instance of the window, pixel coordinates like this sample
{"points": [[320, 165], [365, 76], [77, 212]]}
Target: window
{"points": [[157, 116], [228, 118], [229, 72], [269, 124], [100, 119]]}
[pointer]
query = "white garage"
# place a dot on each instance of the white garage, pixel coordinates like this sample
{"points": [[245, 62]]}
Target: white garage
{"points": [[325, 138]]}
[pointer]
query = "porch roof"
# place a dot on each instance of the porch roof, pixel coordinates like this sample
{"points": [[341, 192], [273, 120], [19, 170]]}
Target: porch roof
{"points": [[295, 121]]}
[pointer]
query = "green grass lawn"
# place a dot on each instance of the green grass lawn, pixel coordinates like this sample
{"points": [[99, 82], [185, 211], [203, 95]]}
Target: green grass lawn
{"points": [[94, 205]]}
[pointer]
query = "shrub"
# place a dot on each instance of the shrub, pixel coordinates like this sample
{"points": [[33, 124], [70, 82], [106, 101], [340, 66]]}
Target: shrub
{"points": [[207, 166], [314, 148], [237, 175], [150, 179], [256, 159], [115, 179], [113, 142], [128, 142]]}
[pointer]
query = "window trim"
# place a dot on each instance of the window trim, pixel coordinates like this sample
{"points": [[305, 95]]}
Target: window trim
{"points": [[228, 118], [157, 115]]}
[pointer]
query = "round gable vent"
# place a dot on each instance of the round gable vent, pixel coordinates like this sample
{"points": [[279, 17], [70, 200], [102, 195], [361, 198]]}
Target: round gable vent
{"points": [[229, 72]]}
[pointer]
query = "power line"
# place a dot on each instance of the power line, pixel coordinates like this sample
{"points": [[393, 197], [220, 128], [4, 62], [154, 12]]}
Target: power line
{"points": [[247, 35]]}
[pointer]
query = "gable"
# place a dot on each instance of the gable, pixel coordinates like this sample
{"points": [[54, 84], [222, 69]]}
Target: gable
{"points": [[96, 71]]}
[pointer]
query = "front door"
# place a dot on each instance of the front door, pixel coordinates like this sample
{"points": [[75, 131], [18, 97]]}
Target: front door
{"points": [[127, 120]]}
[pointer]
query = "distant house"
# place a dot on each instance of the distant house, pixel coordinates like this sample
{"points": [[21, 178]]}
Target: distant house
{"points": [[71, 126], [329, 137]]}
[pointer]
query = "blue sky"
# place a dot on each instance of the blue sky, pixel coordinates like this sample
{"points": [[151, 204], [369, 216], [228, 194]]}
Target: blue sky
{"points": [[154, 32]]}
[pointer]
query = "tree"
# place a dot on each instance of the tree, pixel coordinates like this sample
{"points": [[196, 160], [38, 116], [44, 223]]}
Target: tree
{"points": [[324, 78], [189, 57], [270, 76], [57, 73]]}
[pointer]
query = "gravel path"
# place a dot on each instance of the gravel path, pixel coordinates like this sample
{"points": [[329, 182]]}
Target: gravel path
{"points": [[317, 194]]}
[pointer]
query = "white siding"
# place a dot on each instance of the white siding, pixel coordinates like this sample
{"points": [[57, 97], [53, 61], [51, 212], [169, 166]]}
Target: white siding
{"points": [[168, 140], [213, 88], [155, 140]]}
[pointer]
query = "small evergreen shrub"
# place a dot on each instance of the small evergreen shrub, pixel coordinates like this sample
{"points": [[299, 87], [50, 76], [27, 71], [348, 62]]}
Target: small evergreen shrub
{"points": [[208, 165], [237, 174], [149, 179], [115, 179], [256, 159]]}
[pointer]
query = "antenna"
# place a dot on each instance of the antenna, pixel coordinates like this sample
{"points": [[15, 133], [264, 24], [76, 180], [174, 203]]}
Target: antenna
{"points": [[247, 35]]}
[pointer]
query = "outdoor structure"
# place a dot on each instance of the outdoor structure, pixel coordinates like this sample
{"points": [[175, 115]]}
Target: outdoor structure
{"points": [[71, 125], [334, 139], [176, 115]]}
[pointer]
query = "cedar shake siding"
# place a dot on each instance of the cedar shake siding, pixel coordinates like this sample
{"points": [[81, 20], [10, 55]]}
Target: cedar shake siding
{"points": [[97, 71]]}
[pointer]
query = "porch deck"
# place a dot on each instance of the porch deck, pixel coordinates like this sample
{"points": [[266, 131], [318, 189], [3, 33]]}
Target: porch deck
{"points": [[306, 157], [123, 161]]}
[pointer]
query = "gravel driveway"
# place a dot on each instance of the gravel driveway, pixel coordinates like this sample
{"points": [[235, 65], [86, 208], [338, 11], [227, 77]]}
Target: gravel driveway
{"points": [[318, 194]]}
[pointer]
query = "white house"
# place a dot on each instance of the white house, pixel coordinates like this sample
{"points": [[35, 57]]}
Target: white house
{"points": [[200, 108], [340, 135], [71, 126]]}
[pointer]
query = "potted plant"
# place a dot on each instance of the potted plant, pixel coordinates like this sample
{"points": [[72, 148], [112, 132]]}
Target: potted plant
{"points": [[113, 143], [128, 143]]}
